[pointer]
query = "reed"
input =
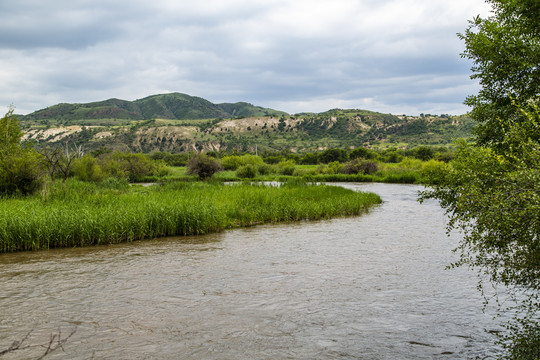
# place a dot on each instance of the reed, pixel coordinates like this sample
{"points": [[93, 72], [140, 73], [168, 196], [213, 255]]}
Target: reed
{"points": [[82, 214]]}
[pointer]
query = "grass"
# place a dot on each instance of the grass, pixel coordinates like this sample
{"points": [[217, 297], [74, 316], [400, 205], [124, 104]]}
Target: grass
{"points": [[83, 214]]}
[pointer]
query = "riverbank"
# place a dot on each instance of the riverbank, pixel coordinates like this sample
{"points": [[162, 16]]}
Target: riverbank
{"points": [[83, 214], [408, 171]]}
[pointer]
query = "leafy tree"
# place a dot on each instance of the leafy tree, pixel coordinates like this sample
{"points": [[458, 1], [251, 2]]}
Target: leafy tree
{"points": [[286, 167], [132, 167], [505, 50], [203, 166], [10, 133], [88, 169], [332, 155], [424, 153], [248, 171], [233, 162], [491, 190], [20, 170], [309, 159], [363, 153], [273, 159], [495, 200]]}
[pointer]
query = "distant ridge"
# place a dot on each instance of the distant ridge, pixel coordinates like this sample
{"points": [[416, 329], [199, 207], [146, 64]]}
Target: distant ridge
{"points": [[173, 106]]}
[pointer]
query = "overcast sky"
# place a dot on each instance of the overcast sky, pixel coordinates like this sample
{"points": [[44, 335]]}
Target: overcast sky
{"points": [[392, 56]]}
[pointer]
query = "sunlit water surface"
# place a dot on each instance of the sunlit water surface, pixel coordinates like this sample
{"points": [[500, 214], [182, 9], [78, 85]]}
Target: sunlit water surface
{"points": [[368, 287]]}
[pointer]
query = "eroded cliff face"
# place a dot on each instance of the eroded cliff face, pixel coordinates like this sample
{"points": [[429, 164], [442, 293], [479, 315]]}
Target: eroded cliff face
{"points": [[299, 133]]}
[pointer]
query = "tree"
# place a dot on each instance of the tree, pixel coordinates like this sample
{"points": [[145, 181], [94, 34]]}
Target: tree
{"points": [[59, 160], [505, 50], [495, 200], [424, 153], [332, 155], [491, 190], [20, 172], [203, 166], [362, 153], [10, 133]]}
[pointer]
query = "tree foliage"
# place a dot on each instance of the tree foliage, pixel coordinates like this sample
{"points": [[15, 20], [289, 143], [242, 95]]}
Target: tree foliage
{"points": [[495, 199], [491, 190], [203, 166], [505, 50], [20, 172], [10, 133]]}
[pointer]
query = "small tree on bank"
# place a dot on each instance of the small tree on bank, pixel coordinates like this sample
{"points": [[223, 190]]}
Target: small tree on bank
{"points": [[203, 166], [20, 171]]}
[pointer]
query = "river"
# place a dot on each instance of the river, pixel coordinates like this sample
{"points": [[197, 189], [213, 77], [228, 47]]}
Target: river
{"points": [[368, 287]]}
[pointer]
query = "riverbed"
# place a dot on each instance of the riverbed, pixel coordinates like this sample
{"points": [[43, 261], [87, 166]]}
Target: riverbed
{"points": [[368, 287]]}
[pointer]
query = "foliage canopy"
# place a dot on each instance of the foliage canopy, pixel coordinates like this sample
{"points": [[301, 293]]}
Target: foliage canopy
{"points": [[491, 190], [505, 50], [19, 166]]}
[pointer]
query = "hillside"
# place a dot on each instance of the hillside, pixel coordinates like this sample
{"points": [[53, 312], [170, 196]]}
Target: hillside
{"points": [[180, 123], [173, 106]]}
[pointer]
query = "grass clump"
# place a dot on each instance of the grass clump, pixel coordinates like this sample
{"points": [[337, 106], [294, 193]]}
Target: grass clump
{"points": [[81, 214]]}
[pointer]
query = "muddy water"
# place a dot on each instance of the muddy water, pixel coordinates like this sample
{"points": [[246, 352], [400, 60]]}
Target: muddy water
{"points": [[369, 287]]}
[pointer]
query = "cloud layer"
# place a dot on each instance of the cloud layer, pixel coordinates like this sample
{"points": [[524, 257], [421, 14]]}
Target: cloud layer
{"points": [[394, 56]]}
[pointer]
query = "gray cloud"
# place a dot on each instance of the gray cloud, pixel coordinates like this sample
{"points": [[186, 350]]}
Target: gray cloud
{"points": [[388, 55]]}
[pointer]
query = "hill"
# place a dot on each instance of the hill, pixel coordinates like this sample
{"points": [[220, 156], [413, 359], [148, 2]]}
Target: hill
{"points": [[180, 123], [174, 106]]}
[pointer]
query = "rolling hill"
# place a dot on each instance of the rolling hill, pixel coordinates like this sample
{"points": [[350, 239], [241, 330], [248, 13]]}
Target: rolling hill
{"points": [[174, 106], [179, 123]]}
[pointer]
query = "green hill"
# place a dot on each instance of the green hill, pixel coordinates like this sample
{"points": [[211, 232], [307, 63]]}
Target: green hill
{"points": [[174, 106], [179, 122]]}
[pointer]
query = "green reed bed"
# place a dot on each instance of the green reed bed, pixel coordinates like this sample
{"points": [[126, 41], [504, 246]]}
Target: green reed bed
{"points": [[83, 214]]}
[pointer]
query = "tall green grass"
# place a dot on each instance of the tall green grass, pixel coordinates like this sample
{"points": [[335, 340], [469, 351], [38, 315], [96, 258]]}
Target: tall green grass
{"points": [[82, 214]]}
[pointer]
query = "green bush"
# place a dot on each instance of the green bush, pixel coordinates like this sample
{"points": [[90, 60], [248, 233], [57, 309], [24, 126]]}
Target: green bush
{"points": [[369, 167], [20, 167], [286, 167], [203, 166], [87, 169], [20, 173], [265, 169], [133, 167], [247, 171], [233, 162]]}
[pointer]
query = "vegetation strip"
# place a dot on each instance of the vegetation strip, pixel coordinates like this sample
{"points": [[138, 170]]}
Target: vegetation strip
{"points": [[82, 213]]}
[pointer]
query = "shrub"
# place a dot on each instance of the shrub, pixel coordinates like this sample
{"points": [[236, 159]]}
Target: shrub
{"points": [[203, 166], [363, 153], [233, 162], [286, 167], [87, 169], [265, 169], [133, 167], [369, 167], [246, 171], [304, 172], [351, 167], [273, 159], [424, 153], [20, 170], [335, 167], [309, 159], [20, 173], [392, 157], [333, 155]]}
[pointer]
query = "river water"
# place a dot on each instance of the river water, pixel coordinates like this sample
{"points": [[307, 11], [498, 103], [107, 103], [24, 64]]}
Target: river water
{"points": [[368, 287]]}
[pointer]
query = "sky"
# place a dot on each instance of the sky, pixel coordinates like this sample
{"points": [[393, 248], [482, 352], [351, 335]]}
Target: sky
{"points": [[391, 56]]}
